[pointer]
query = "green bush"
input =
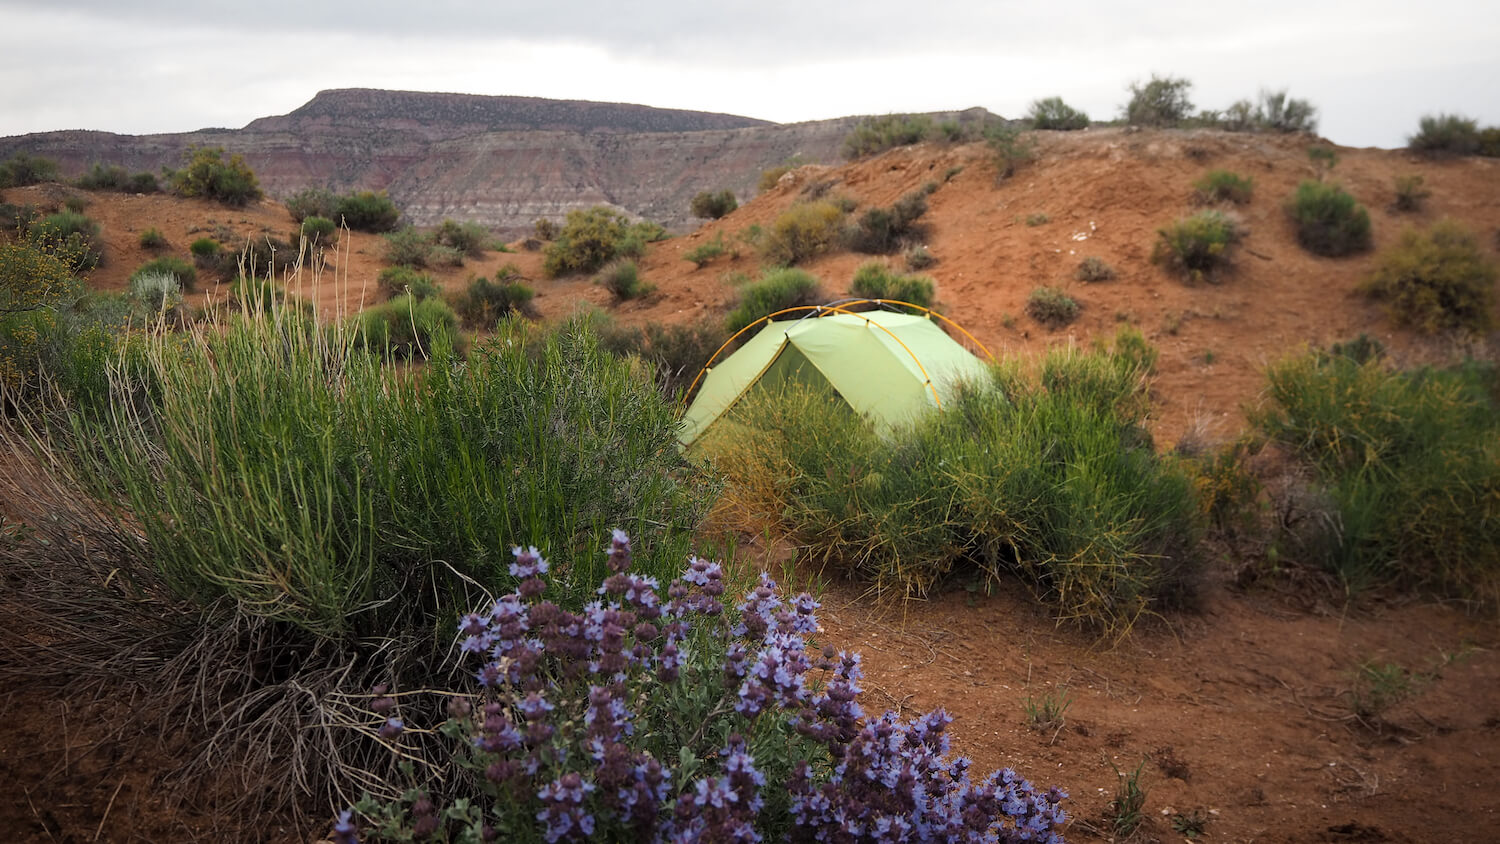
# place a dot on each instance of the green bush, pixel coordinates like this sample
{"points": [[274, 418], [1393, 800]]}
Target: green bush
{"points": [[76, 234], [1409, 468], [1275, 112], [591, 238], [399, 280], [711, 205], [21, 170], [313, 202], [801, 232], [776, 290], [1224, 186], [917, 257], [623, 280], [469, 238], [152, 238], [881, 231], [484, 302], [1162, 102], [1198, 246], [770, 176], [1436, 280], [116, 178], [367, 211], [1053, 113], [1445, 134], [1093, 269], [292, 477], [206, 174], [706, 251], [874, 280], [878, 134], [319, 230], [156, 292], [677, 353], [1328, 220], [184, 272], [205, 248], [545, 229], [1051, 307], [1045, 476], [408, 248], [265, 255], [50, 346], [1410, 194], [406, 327], [1489, 142]]}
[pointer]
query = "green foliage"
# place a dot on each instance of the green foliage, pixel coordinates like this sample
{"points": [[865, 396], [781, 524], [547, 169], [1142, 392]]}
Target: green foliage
{"points": [[1224, 186], [155, 292], [623, 280], [1128, 808], [878, 134], [1378, 687], [776, 290], [1489, 142], [1163, 102], [592, 238], [1048, 476], [399, 280], [50, 345], [116, 178], [881, 231], [711, 205], [917, 257], [801, 232], [1048, 713], [1437, 280], [75, 234], [1198, 246], [408, 248], [874, 280], [295, 477], [1410, 194], [1408, 463], [707, 250], [1328, 220], [368, 211], [21, 170], [545, 229], [676, 352], [205, 248], [1093, 269], [1445, 134], [319, 230], [1053, 113], [152, 238], [1037, 218], [770, 176], [1274, 112], [405, 327], [36, 274], [469, 238], [183, 271], [485, 302], [206, 174], [1011, 147], [1051, 307], [313, 202]]}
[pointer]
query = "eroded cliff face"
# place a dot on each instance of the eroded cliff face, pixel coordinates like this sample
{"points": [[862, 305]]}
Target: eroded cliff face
{"points": [[499, 161]]}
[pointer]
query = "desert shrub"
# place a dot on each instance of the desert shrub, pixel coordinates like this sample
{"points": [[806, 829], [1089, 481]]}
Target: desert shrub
{"points": [[142, 183], [881, 231], [918, 257], [442, 255], [17, 218], [676, 352], [874, 280], [1445, 134], [707, 250], [1162, 102], [398, 280], [485, 302], [1410, 194], [1489, 142], [591, 238], [1011, 147], [1328, 220], [260, 256], [35, 275], [1409, 463], [180, 269], [545, 229], [313, 202], [1198, 246], [75, 234], [408, 248], [21, 170], [800, 232], [1436, 280], [76, 203], [157, 293], [104, 177], [711, 205], [1224, 186], [1051, 307], [623, 280], [50, 347], [152, 238], [729, 727], [318, 230], [1053, 113], [1277, 112], [367, 211], [406, 327], [1093, 269], [770, 176], [469, 238], [206, 174], [776, 290], [205, 248], [1046, 475], [878, 134]]}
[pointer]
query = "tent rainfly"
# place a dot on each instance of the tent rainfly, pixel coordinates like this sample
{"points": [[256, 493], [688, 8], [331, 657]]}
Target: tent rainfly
{"points": [[888, 366]]}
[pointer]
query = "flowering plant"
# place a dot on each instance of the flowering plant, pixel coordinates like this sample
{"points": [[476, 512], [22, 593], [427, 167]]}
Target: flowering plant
{"points": [[646, 719]]}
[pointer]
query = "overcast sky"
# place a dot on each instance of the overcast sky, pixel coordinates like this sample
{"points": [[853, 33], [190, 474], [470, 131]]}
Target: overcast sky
{"points": [[1372, 67]]}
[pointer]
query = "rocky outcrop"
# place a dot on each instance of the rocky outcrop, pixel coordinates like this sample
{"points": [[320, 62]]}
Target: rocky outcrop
{"points": [[499, 161]]}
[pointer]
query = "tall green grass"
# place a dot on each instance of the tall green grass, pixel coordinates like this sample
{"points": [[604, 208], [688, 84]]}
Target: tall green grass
{"points": [[1047, 475], [285, 471]]}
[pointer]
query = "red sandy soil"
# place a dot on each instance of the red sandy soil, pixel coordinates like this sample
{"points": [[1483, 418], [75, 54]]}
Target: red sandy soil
{"points": [[1239, 711]]}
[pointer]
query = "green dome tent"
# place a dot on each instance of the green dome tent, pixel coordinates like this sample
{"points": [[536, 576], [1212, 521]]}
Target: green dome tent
{"points": [[888, 366]]}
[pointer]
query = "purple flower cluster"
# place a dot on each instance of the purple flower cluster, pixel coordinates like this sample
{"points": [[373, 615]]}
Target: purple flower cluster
{"points": [[570, 701]]}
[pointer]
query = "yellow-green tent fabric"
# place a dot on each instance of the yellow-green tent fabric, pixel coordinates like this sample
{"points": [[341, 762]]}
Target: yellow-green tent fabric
{"points": [[889, 366]]}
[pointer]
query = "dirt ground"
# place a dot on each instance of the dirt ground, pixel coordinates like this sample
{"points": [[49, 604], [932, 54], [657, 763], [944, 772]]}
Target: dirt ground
{"points": [[1240, 712]]}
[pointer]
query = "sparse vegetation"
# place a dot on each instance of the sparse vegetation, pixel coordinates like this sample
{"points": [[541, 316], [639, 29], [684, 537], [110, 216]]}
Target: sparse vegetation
{"points": [[365, 211], [874, 280], [1051, 307], [21, 170], [1410, 193], [623, 280], [1037, 218], [1329, 222], [1053, 113], [152, 238], [776, 290], [76, 234], [1161, 103], [485, 302], [1274, 112], [802, 231], [878, 134], [917, 257], [1048, 713], [707, 250], [408, 248], [113, 177], [397, 280], [468, 239], [544, 229], [184, 272], [1224, 186], [881, 231], [1128, 808], [711, 205], [676, 352], [319, 231], [1437, 280], [1011, 147], [1092, 269], [1445, 134], [595, 236], [205, 173], [1198, 247]]}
